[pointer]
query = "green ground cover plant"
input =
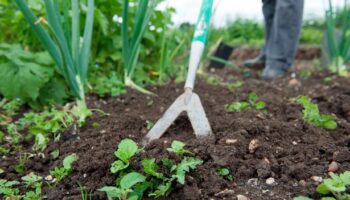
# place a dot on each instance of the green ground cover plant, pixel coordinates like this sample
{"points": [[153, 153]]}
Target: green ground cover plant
{"points": [[313, 116], [252, 102], [333, 188], [150, 181]]}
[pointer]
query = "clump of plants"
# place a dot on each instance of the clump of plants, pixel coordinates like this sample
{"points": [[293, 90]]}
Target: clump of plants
{"points": [[313, 116], [333, 188], [60, 35], [338, 37], [33, 183], [252, 102], [131, 184]]}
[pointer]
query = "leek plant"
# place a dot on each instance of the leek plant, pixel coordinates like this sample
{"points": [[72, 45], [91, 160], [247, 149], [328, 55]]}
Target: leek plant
{"points": [[338, 37], [131, 42], [61, 37]]}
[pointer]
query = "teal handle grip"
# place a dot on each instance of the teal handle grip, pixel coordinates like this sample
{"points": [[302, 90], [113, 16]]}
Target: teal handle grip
{"points": [[203, 22]]}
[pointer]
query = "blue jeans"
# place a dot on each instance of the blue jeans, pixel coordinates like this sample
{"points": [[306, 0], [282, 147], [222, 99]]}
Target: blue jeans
{"points": [[283, 21]]}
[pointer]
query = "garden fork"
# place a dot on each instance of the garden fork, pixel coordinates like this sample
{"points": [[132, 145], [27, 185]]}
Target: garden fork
{"points": [[189, 101]]}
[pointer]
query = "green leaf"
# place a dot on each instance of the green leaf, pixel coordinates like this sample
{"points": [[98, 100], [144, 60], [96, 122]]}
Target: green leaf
{"points": [[335, 185], [345, 177], [118, 166], [112, 192], [131, 179], [328, 198], [127, 148], [178, 148], [162, 190], [237, 106], [260, 105], [185, 166], [20, 76], [252, 98], [322, 189], [150, 167], [302, 198], [68, 161]]}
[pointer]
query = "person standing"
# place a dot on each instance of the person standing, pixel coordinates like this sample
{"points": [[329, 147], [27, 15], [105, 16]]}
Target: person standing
{"points": [[283, 22]]}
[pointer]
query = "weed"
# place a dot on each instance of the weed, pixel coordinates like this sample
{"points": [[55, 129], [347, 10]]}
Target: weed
{"points": [[225, 173], [252, 102], [333, 188], [149, 125], [7, 188], [178, 148], [312, 114], [126, 150], [59, 173]]}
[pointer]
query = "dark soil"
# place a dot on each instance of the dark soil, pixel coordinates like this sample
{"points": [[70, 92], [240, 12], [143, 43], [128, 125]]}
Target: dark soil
{"points": [[289, 150]]}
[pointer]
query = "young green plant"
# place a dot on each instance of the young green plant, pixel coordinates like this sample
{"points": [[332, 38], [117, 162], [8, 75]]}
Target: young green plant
{"points": [[59, 173], [252, 102], [62, 40], [333, 188], [312, 114]]}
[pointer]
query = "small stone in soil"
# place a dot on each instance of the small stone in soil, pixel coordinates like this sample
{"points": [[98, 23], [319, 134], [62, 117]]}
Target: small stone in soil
{"points": [[242, 197], [253, 145], [252, 182], [317, 179], [271, 181], [231, 141], [333, 167]]}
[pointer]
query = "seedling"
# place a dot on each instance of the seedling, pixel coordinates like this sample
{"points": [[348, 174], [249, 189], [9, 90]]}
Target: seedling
{"points": [[127, 189], [149, 125], [156, 183], [252, 102], [178, 148], [126, 150], [334, 188], [33, 182], [225, 173], [312, 114], [59, 173]]}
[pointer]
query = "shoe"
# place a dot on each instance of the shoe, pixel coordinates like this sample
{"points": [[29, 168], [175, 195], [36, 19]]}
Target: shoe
{"points": [[257, 63], [272, 73]]}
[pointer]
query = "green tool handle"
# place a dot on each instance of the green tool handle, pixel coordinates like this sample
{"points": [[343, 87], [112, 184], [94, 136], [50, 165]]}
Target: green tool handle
{"points": [[199, 41], [203, 22]]}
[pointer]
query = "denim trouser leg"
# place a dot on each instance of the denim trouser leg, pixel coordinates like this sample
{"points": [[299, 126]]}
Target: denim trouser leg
{"points": [[283, 25]]}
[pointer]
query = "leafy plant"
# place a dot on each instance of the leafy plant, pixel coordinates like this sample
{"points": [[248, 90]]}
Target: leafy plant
{"points": [[131, 42], [157, 184], [33, 182], [225, 173], [109, 85], [126, 150], [22, 73], [178, 148], [64, 45], [312, 114], [8, 190], [127, 188], [59, 173], [252, 102], [338, 38], [11, 107], [333, 188]]}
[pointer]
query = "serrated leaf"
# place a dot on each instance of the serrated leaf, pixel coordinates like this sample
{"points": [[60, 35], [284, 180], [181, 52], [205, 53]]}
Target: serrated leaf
{"points": [[131, 179], [68, 161], [118, 166], [335, 185], [185, 166], [162, 190], [127, 148]]}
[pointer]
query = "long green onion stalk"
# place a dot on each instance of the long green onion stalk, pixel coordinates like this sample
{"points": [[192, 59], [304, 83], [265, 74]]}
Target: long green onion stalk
{"points": [[60, 33], [131, 42], [338, 37]]}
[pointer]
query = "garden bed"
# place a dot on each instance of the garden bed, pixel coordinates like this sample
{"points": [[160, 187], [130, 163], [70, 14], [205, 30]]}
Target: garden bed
{"points": [[289, 150]]}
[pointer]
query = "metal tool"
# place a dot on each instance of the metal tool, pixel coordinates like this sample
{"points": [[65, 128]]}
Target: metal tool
{"points": [[189, 101]]}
